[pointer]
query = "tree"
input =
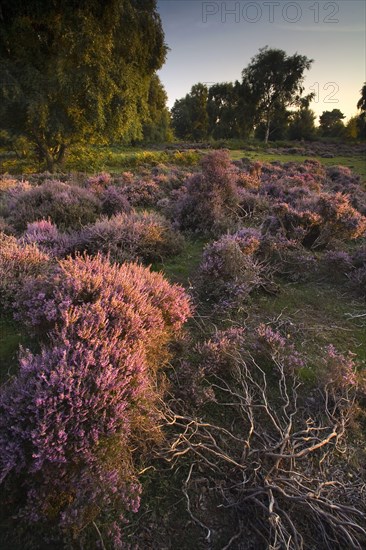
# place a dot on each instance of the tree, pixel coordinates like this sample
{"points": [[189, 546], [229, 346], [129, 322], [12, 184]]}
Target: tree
{"points": [[77, 70], [182, 118], [362, 101], [157, 128], [279, 124], [331, 123], [361, 119], [302, 124], [189, 114], [274, 78], [221, 106]]}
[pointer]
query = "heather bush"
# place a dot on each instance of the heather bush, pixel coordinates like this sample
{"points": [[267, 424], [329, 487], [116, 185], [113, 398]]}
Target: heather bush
{"points": [[48, 238], [210, 203], [229, 272], [336, 264], [357, 279], [114, 200], [98, 182], [73, 418], [343, 175], [140, 235], [18, 262], [286, 257], [339, 218], [143, 192], [67, 206], [318, 222], [338, 370]]}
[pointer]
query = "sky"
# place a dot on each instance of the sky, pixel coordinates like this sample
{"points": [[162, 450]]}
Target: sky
{"points": [[214, 41]]}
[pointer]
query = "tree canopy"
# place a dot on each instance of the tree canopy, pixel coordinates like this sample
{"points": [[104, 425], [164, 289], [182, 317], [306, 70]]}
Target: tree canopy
{"points": [[275, 79], [77, 70]]}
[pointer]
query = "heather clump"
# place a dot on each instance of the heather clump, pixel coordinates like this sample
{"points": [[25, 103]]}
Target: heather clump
{"points": [[229, 270], [145, 236], [48, 238], [18, 263], [75, 411], [144, 192], [210, 203], [67, 206], [318, 221], [114, 200]]}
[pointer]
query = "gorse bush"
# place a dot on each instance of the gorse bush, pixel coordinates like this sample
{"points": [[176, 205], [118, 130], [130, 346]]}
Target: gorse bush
{"points": [[67, 206], [70, 419], [125, 237]]}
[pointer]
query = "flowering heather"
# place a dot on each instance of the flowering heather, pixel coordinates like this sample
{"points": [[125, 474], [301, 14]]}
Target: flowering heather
{"points": [[343, 175], [223, 353], [339, 370], [143, 192], [210, 203], [339, 218], [69, 420], [48, 238], [114, 200], [228, 270], [125, 237], [67, 206], [98, 181], [18, 262]]}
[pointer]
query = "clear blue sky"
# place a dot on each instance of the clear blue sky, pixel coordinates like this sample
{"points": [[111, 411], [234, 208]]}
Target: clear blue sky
{"points": [[209, 44]]}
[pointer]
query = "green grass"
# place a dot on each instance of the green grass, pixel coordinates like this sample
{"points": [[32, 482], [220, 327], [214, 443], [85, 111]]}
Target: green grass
{"points": [[321, 313], [10, 338], [180, 268]]}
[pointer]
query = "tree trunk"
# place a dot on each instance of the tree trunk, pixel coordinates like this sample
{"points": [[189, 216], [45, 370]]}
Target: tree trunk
{"points": [[61, 156], [268, 123]]}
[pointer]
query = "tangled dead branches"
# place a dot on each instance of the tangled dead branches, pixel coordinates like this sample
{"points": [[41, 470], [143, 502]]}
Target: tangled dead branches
{"points": [[275, 462]]}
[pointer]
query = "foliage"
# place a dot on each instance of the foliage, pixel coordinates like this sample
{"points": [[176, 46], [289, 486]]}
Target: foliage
{"points": [[157, 128], [18, 263], [189, 115], [67, 206], [70, 419], [125, 237], [209, 202], [275, 79], [71, 73], [302, 125], [331, 124]]}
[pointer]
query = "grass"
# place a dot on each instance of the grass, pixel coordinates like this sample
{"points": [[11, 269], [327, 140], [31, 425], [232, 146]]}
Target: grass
{"points": [[180, 268], [10, 339], [322, 314]]}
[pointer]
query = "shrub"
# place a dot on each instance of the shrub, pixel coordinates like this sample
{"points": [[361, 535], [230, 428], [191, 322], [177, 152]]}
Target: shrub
{"points": [[69, 421], [143, 192], [336, 264], [228, 271], [338, 370], [18, 262], [145, 236], [67, 206], [114, 201], [210, 203], [48, 238]]}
